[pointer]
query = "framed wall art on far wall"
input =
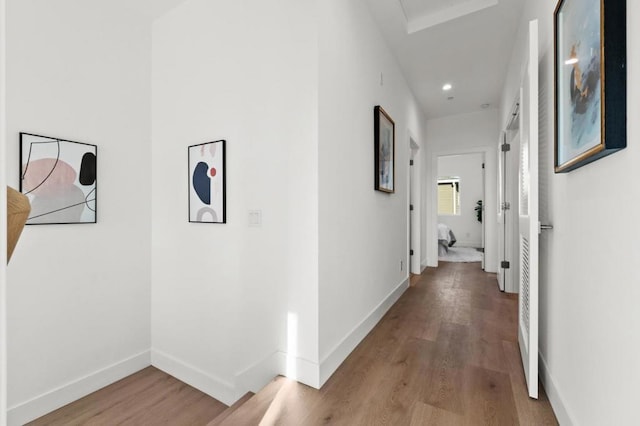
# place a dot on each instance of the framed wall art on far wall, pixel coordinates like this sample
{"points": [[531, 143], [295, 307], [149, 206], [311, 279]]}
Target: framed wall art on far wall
{"points": [[590, 81], [207, 182], [60, 179], [384, 146]]}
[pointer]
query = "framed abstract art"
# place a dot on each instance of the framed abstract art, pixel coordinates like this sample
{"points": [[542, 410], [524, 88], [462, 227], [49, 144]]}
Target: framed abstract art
{"points": [[60, 179], [590, 81], [384, 148], [207, 182]]}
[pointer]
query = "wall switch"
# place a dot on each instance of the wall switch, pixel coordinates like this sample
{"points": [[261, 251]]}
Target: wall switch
{"points": [[255, 218]]}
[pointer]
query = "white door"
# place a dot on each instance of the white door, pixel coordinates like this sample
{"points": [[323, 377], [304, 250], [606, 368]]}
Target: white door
{"points": [[483, 216], [529, 227], [507, 170], [502, 221], [508, 267], [412, 267]]}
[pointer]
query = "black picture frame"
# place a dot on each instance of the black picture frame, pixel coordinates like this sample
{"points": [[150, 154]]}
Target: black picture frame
{"points": [[590, 96], [60, 178], [207, 182], [385, 150]]}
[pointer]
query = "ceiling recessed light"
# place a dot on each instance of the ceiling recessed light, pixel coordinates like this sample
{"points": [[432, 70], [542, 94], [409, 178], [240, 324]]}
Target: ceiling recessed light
{"points": [[447, 87], [571, 61]]}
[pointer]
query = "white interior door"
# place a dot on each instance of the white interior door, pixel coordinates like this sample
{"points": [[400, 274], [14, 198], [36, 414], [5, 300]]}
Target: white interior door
{"points": [[502, 188], [529, 227], [483, 210]]}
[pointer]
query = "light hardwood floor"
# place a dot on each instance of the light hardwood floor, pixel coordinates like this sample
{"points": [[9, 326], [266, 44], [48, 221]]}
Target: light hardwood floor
{"points": [[149, 397], [445, 354]]}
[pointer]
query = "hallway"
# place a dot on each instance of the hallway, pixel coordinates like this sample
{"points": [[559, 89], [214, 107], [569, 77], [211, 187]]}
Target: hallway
{"points": [[445, 354]]}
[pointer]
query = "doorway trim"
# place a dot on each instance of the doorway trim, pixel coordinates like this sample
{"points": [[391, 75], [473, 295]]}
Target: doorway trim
{"points": [[510, 135], [490, 204], [414, 196]]}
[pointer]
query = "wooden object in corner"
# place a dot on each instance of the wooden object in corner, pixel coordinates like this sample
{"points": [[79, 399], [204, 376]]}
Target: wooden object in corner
{"points": [[18, 209]]}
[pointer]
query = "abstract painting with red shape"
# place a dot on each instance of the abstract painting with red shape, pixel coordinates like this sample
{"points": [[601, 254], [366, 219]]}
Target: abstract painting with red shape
{"points": [[60, 179]]}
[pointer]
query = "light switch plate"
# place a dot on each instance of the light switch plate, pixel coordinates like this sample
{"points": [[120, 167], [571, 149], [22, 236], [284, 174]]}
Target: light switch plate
{"points": [[255, 218]]}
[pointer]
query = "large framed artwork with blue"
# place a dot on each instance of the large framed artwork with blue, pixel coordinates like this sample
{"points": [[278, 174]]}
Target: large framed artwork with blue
{"points": [[207, 182], [384, 147], [590, 81], [60, 179]]}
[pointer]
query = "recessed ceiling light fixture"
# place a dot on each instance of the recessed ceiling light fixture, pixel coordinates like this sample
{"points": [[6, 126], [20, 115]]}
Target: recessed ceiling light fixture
{"points": [[447, 87]]}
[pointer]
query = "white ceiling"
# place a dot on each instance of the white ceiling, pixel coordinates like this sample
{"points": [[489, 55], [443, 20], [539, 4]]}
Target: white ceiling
{"points": [[463, 42], [149, 8]]}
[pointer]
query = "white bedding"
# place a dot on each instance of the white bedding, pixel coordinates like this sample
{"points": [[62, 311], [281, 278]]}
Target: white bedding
{"points": [[444, 233], [446, 239]]}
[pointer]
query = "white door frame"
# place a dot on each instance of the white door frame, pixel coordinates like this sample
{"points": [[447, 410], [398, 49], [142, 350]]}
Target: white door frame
{"points": [[510, 244], [414, 183], [490, 203]]}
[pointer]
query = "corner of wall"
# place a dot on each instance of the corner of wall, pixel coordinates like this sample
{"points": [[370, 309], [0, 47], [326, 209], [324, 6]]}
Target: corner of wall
{"points": [[253, 378], [213, 386], [341, 351], [278, 363], [76, 389]]}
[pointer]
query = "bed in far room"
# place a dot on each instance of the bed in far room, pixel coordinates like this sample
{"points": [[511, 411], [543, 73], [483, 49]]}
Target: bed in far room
{"points": [[446, 239]]}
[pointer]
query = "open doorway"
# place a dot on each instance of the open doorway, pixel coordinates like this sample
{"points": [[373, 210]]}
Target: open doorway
{"points": [[490, 203], [460, 199]]}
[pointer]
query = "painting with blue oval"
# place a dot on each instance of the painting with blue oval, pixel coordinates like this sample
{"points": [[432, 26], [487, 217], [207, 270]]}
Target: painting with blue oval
{"points": [[207, 186]]}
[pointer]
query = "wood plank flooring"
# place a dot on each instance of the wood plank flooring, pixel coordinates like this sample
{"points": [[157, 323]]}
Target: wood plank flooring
{"points": [[445, 354], [149, 397]]}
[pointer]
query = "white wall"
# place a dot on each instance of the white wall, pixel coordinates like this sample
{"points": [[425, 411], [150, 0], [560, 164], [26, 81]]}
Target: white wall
{"points": [[223, 294], [79, 295], [589, 285], [3, 223], [475, 132], [223, 307], [363, 232], [266, 103], [468, 168]]}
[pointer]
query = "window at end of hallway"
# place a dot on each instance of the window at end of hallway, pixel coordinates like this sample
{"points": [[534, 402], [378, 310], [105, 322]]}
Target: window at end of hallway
{"points": [[449, 195]]}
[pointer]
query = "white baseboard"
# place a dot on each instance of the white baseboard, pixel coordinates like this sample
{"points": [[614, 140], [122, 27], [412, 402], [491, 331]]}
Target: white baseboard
{"points": [[63, 395], [303, 371], [261, 373], [550, 387], [252, 378], [338, 354], [256, 376], [423, 266], [215, 387]]}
